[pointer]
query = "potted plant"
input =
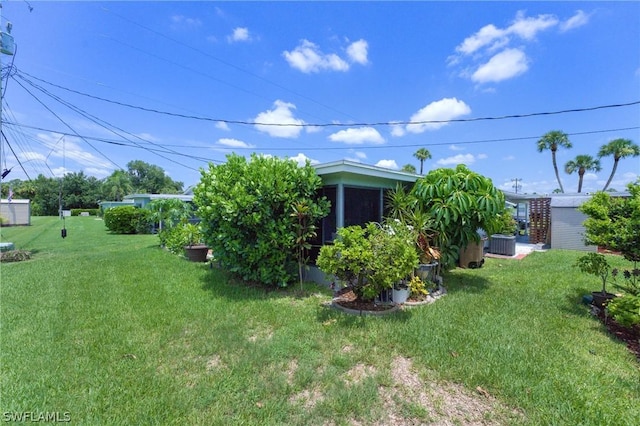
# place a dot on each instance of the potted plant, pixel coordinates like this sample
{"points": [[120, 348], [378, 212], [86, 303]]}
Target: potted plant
{"points": [[195, 250], [401, 292], [370, 259], [596, 264]]}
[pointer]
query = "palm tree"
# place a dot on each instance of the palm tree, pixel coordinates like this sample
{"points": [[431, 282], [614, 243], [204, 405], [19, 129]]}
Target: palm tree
{"points": [[619, 148], [422, 154], [581, 164], [553, 140], [117, 185], [409, 168]]}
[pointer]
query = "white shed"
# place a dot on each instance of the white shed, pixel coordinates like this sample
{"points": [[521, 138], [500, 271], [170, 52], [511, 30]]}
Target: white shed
{"points": [[567, 231], [16, 212]]}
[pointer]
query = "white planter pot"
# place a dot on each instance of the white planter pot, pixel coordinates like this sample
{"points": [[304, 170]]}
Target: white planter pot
{"points": [[400, 296]]}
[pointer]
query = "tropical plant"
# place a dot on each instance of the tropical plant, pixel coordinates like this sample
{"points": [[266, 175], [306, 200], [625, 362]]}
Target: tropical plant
{"points": [[582, 164], [245, 207], [116, 186], [625, 310], [552, 141], [168, 212], [422, 154], [459, 202], [417, 289], [409, 168], [618, 148], [595, 264], [370, 259]]}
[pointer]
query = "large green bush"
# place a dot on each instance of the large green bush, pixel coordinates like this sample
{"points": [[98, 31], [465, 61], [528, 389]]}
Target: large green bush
{"points": [[246, 208], [126, 220], [460, 201]]}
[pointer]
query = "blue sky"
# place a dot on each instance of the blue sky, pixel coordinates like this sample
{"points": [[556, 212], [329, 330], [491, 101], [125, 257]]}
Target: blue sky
{"points": [[351, 81]]}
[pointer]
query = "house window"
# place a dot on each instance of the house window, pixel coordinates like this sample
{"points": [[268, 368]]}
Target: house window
{"points": [[361, 206], [328, 226]]}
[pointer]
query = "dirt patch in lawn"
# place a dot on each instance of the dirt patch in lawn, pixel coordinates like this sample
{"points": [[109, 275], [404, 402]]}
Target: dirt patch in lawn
{"points": [[439, 403]]}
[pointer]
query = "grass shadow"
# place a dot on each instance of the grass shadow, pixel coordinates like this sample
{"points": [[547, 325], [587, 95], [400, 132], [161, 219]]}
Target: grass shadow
{"points": [[573, 301], [325, 313], [223, 284], [465, 282]]}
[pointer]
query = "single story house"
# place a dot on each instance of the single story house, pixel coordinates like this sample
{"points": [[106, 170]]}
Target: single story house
{"points": [[141, 200], [357, 195], [15, 212]]}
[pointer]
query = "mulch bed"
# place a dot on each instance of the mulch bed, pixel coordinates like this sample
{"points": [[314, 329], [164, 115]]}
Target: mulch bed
{"points": [[630, 336]]}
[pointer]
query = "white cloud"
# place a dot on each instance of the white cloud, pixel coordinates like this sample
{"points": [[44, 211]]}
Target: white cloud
{"points": [[506, 64], [358, 51], [222, 126], [288, 126], [148, 137], [180, 22], [99, 173], [456, 148], [397, 130], [488, 35], [234, 143], [31, 155], [301, 159], [442, 110], [388, 164], [68, 148], [457, 159], [509, 158], [308, 58], [239, 34], [60, 171], [482, 156], [528, 28], [579, 19], [511, 61], [357, 136], [357, 157]]}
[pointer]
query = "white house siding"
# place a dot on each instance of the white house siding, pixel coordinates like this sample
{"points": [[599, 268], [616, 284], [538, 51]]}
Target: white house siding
{"points": [[567, 231], [16, 212]]}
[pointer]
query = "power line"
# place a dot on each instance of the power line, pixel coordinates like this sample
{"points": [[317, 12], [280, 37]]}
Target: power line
{"points": [[362, 124], [229, 64], [329, 148], [65, 123]]}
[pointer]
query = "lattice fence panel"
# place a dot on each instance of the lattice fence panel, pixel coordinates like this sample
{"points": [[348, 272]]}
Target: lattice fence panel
{"points": [[540, 220]]}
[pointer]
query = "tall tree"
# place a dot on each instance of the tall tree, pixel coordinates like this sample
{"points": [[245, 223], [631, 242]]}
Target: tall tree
{"points": [[422, 154], [552, 141], [149, 178], [618, 148], [116, 186], [582, 164], [409, 168]]}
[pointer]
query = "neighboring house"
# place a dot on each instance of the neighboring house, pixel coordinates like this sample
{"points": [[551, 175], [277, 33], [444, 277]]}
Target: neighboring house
{"points": [[106, 205], [141, 200], [16, 212]]}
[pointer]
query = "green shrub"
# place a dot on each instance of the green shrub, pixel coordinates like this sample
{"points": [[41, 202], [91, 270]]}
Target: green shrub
{"points": [[625, 310], [144, 221], [176, 238], [245, 207], [370, 259], [122, 219]]}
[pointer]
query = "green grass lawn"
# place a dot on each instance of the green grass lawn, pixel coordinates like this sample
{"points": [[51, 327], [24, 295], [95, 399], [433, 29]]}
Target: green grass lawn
{"points": [[111, 329]]}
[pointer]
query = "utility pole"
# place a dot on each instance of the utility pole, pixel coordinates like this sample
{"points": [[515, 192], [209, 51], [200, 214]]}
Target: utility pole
{"points": [[7, 47], [516, 184]]}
